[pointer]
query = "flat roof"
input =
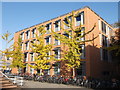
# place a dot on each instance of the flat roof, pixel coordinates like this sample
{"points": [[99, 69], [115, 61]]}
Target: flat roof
{"points": [[64, 15]]}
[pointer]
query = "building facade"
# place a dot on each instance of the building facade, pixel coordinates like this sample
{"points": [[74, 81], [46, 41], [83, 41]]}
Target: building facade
{"points": [[96, 61]]}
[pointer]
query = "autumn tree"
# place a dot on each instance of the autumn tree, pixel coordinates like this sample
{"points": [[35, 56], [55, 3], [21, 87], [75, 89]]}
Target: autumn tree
{"points": [[42, 52], [17, 55], [114, 47], [72, 39], [115, 41], [7, 52]]}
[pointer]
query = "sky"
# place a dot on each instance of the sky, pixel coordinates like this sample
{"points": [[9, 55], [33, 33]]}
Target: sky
{"points": [[19, 15]]}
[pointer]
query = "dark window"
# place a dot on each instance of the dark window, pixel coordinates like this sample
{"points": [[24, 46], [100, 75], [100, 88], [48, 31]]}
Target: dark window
{"points": [[57, 25], [56, 42], [104, 41], [82, 51], [67, 35], [78, 18], [106, 73], [25, 57], [26, 45], [48, 27], [57, 53], [46, 72], [22, 35], [8, 58], [48, 55], [57, 68], [27, 34], [66, 21], [81, 71], [47, 39], [31, 56], [105, 55], [33, 32], [80, 34], [103, 27]]}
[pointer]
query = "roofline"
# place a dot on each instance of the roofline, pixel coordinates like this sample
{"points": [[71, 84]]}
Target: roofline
{"points": [[52, 19], [99, 16], [64, 15]]}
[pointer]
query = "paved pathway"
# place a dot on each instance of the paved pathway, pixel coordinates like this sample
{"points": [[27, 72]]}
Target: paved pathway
{"points": [[36, 84]]}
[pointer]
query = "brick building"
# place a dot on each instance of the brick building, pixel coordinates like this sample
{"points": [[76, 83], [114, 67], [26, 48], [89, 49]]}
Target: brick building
{"points": [[96, 61]]}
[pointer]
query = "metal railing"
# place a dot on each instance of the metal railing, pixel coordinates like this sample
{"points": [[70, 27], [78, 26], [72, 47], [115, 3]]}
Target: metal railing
{"points": [[14, 79]]}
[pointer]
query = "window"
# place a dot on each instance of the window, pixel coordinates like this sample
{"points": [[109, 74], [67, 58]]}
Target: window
{"points": [[82, 51], [27, 45], [46, 72], [48, 57], [57, 25], [80, 33], [80, 19], [33, 32], [104, 41], [67, 20], [103, 27], [57, 53], [8, 58], [32, 69], [32, 43], [106, 73], [104, 54], [48, 28], [57, 68], [65, 34], [25, 57], [32, 56], [57, 42], [48, 40], [81, 71], [27, 34], [22, 35], [68, 35]]}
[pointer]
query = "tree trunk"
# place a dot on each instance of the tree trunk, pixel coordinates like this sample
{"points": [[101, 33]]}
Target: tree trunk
{"points": [[73, 72], [41, 72]]}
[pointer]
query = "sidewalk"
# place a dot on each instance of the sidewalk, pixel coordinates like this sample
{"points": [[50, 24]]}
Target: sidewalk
{"points": [[35, 84]]}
